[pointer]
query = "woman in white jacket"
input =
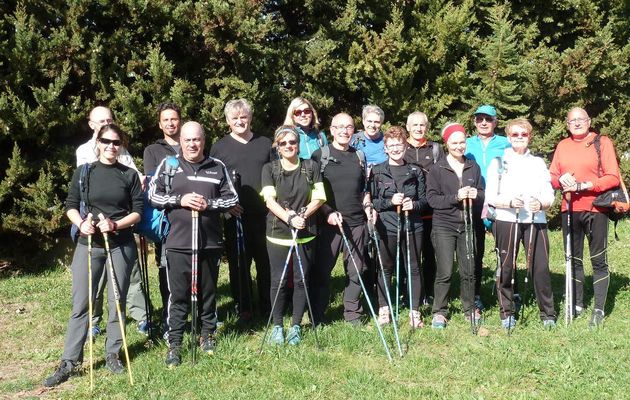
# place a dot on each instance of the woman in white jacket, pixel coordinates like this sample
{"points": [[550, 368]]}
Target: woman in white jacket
{"points": [[518, 190]]}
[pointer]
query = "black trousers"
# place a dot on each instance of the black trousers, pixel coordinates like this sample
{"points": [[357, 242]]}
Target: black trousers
{"points": [[428, 260], [329, 245], [388, 245], [446, 243], [255, 249], [594, 226], [179, 282], [277, 258], [538, 266]]}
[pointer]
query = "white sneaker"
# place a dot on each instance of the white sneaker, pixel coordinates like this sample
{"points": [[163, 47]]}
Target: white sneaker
{"points": [[415, 319], [383, 316]]}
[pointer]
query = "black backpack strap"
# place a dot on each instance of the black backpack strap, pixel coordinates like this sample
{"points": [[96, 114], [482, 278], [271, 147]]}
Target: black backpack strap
{"points": [[84, 187], [276, 169], [323, 161], [306, 167]]}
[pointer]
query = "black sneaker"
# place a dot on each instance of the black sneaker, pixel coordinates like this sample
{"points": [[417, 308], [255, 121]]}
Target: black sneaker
{"points": [[64, 371], [173, 357], [208, 344], [597, 319], [112, 362]]}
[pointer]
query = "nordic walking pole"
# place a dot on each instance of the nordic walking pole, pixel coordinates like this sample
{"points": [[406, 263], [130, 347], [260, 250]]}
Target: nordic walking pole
{"points": [[568, 282], [275, 299], [378, 326], [90, 303], [530, 262], [397, 260], [144, 279], [470, 258], [244, 283], [294, 233], [408, 245], [114, 283], [194, 312], [514, 257], [374, 235]]}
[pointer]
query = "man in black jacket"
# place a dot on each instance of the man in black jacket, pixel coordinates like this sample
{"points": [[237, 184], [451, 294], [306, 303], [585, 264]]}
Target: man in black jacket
{"points": [[169, 121], [199, 184]]}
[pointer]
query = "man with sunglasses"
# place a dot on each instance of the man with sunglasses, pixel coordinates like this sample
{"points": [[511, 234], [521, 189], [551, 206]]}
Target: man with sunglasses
{"points": [[88, 153], [343, 174], [579, 169], [483, 148]]}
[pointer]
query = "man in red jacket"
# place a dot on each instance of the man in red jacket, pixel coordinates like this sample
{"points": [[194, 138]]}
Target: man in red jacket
{"points": [[576, 168]]}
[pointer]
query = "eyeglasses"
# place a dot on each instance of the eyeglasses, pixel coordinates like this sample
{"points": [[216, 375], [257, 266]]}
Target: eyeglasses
{"points": [[107, 142], [344, 127], [575, 121], [396, 146], [287, 142], [306, 111], [519, 135], [480, 118]]}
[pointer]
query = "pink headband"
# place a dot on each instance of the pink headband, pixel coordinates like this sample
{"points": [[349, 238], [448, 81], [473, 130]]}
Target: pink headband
{"points": [[449, 130]]}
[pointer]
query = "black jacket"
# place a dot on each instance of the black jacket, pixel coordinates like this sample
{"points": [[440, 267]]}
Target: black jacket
{"points": [[383, 187], [209, 178], [442, 187]]}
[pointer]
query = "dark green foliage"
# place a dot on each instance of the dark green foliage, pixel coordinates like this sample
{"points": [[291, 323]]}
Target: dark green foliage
{"points": [[58, 59]]}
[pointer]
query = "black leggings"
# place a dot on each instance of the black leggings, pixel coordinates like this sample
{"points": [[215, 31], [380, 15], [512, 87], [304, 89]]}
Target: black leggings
{"points": [[277, 261]]}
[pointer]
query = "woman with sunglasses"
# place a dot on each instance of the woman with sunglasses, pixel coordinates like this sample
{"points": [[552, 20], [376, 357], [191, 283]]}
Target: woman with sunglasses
{"points": [[398, 195], [519, 188], [302, 115], [453, 183], [293, 190], [113, 190]]}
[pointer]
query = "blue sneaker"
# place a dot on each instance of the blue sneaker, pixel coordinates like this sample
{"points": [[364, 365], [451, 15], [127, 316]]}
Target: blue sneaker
{"points": [[293, 336], [277, 335], [143, 327], [438, 322], [96, 331], [508, 323]]}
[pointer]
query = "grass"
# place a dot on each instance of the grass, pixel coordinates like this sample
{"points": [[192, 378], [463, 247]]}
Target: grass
{"points": [[566, 363]]}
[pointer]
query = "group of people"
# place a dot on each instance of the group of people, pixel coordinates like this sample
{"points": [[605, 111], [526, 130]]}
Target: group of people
{"points": [[394, 203]]}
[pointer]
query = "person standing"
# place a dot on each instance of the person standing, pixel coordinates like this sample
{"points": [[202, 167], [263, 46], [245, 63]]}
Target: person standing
{"points": [[292, 189], [483, 148], [302, 115], [245, 153], [398, 187], [585, 165], [113, 190], [370, 139], [343, 173], [424, 153], [200, 184], [519, 187], [169, 122], [452, 182]]}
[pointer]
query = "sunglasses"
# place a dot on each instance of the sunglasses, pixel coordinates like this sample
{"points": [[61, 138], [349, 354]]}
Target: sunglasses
{"points": [[106, 142], [479, 119], [287, 142], [306, 111], [519, 135]]}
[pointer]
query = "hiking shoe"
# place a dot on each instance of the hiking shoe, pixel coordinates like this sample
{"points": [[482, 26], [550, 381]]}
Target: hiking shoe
{"points": [[508, 323], [549, 324], [597, 319], [277, 335], [208, 344], [384, 316], [578, 311], [96, 331], [477, 316], [478, 304], [112, 362], [144, 326], [173, 357], [438, 322], [415, 319], [518, 303], [293, 335], [64, 371]]}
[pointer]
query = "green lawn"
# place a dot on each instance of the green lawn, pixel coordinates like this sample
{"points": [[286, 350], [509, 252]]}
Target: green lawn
{"points": [[567, 363]]}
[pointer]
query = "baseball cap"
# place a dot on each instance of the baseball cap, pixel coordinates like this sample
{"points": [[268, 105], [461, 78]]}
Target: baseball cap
{"points": [[486, 109]]}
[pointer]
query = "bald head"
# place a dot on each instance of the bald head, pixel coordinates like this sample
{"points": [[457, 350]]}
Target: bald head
{"points": [[578, 122], [192, 140], [98, 117], [342, 128]]}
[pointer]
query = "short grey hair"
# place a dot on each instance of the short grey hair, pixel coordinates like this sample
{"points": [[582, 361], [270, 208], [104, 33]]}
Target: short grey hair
{"points": [[371, 108], [239, 105]]}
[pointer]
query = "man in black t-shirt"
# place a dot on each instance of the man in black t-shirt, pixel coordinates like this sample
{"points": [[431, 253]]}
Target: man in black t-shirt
{"points": [[344, 180], [246, 153]]}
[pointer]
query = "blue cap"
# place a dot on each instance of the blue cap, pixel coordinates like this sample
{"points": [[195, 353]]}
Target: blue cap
{"points": [[487, 109]]}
